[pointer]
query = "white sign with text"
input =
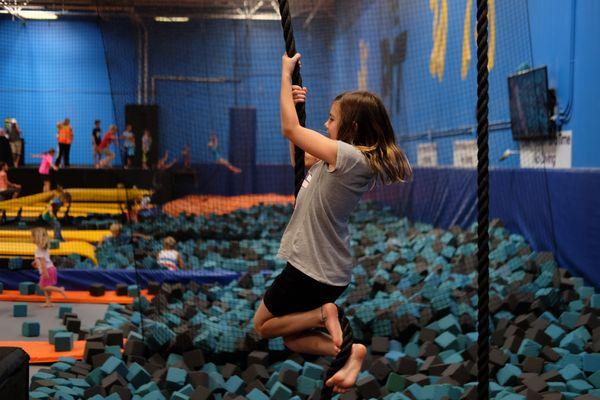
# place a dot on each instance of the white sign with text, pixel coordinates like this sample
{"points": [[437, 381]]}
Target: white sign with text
{"points": [[427, 155], [465, 154], [555, 153]]}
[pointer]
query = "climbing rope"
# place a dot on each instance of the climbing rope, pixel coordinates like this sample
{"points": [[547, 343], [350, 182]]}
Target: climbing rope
{"points": [[290, 48], [483, 264], [342, 357]]}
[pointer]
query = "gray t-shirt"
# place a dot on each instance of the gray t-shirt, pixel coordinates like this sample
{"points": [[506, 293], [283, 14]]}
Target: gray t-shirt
{"points": [[316, 240]]}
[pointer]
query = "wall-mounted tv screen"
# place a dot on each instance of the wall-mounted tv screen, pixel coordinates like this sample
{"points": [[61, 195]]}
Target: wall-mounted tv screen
{"points": [[531, 107]]}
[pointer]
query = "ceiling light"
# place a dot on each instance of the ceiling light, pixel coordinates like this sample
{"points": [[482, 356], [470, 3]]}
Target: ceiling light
{"points": [[31, 14], [171, 19]]}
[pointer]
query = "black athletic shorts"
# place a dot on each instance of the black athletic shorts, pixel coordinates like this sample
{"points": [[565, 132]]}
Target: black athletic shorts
{"points": [[293, 291]]}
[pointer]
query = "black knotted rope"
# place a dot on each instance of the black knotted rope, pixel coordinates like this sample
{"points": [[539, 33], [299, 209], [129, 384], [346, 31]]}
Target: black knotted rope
{"points": [[483, 264], [342, 357], [290, 48]]}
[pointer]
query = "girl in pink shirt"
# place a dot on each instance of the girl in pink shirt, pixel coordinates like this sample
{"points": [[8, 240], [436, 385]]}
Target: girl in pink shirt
{"points": [[47, 163]]}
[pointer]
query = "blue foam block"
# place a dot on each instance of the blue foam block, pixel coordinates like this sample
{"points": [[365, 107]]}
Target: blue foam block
{"points": [[62, 310], [63, 341], [113, 364], [256, 394], [30, 329], [27, 288], [137, 375], [176, 378], [19, 310]]}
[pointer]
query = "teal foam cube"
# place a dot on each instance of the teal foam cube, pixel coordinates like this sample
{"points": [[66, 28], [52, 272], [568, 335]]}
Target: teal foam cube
{"points": [[63, 341], [256, 394], [30, 329], [578, 386], [507, 373], [594, 379], [313, 371], [27, 288], [594, 301], [19, 310], [529, 348], [235, 384], [571, 372], [133, 291], [137, 375], [62, 310], [52, 333], [307, 385], [176, 378], [113, 364], [591, 362], [280, 392]]}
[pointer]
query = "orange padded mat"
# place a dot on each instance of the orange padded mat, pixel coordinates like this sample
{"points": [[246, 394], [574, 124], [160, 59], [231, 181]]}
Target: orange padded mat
{"points": [[43, 352], [202, 204], [72, 297]]}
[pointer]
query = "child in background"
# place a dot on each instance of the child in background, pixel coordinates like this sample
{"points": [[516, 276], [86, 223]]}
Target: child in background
{"points": [[164, 164], [146, 146], [50, 216], [169, 257], [186, 157], [7, 188], [104, 147], [128, 146], [96, 140], [43, 263], [213, 145], [47, 163], [119, 238]]}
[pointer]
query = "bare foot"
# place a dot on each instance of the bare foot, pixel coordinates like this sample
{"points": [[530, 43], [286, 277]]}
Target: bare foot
{"points": [[345, 378], [62, 291], [332, 323], [47, 305]]}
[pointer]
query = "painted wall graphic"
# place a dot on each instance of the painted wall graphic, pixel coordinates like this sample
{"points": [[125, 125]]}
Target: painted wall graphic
{"points": [[393, 56], [364, 66]]}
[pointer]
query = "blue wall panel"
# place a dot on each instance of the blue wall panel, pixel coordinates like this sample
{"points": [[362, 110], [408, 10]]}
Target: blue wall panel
{"points": [[51, 71]]}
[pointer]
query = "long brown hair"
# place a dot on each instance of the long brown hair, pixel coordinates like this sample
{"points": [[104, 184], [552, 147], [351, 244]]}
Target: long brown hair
{"points": [[366, 125]]}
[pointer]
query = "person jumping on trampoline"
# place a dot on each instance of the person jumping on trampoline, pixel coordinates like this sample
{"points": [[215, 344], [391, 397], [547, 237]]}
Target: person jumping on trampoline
{"points": [[44, 265], [360, 149], [50, 215], [213, 145]]}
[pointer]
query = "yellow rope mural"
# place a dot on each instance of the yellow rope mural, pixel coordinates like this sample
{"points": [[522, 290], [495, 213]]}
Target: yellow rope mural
{"points": [[466, 50], [440, 36]]}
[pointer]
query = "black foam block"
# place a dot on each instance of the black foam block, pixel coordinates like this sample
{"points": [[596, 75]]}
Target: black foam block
{"points": [[289, 378], [153, 287], [368, 387], [99, 359], [97, 290], [68, 315], [135, 347], [92, 349], [113, 338], [123, 392], [258, 357], [112, 380], [94, 390], [228, 370], [73, 325], [194, 359], [121, 289], [201, 393]]}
